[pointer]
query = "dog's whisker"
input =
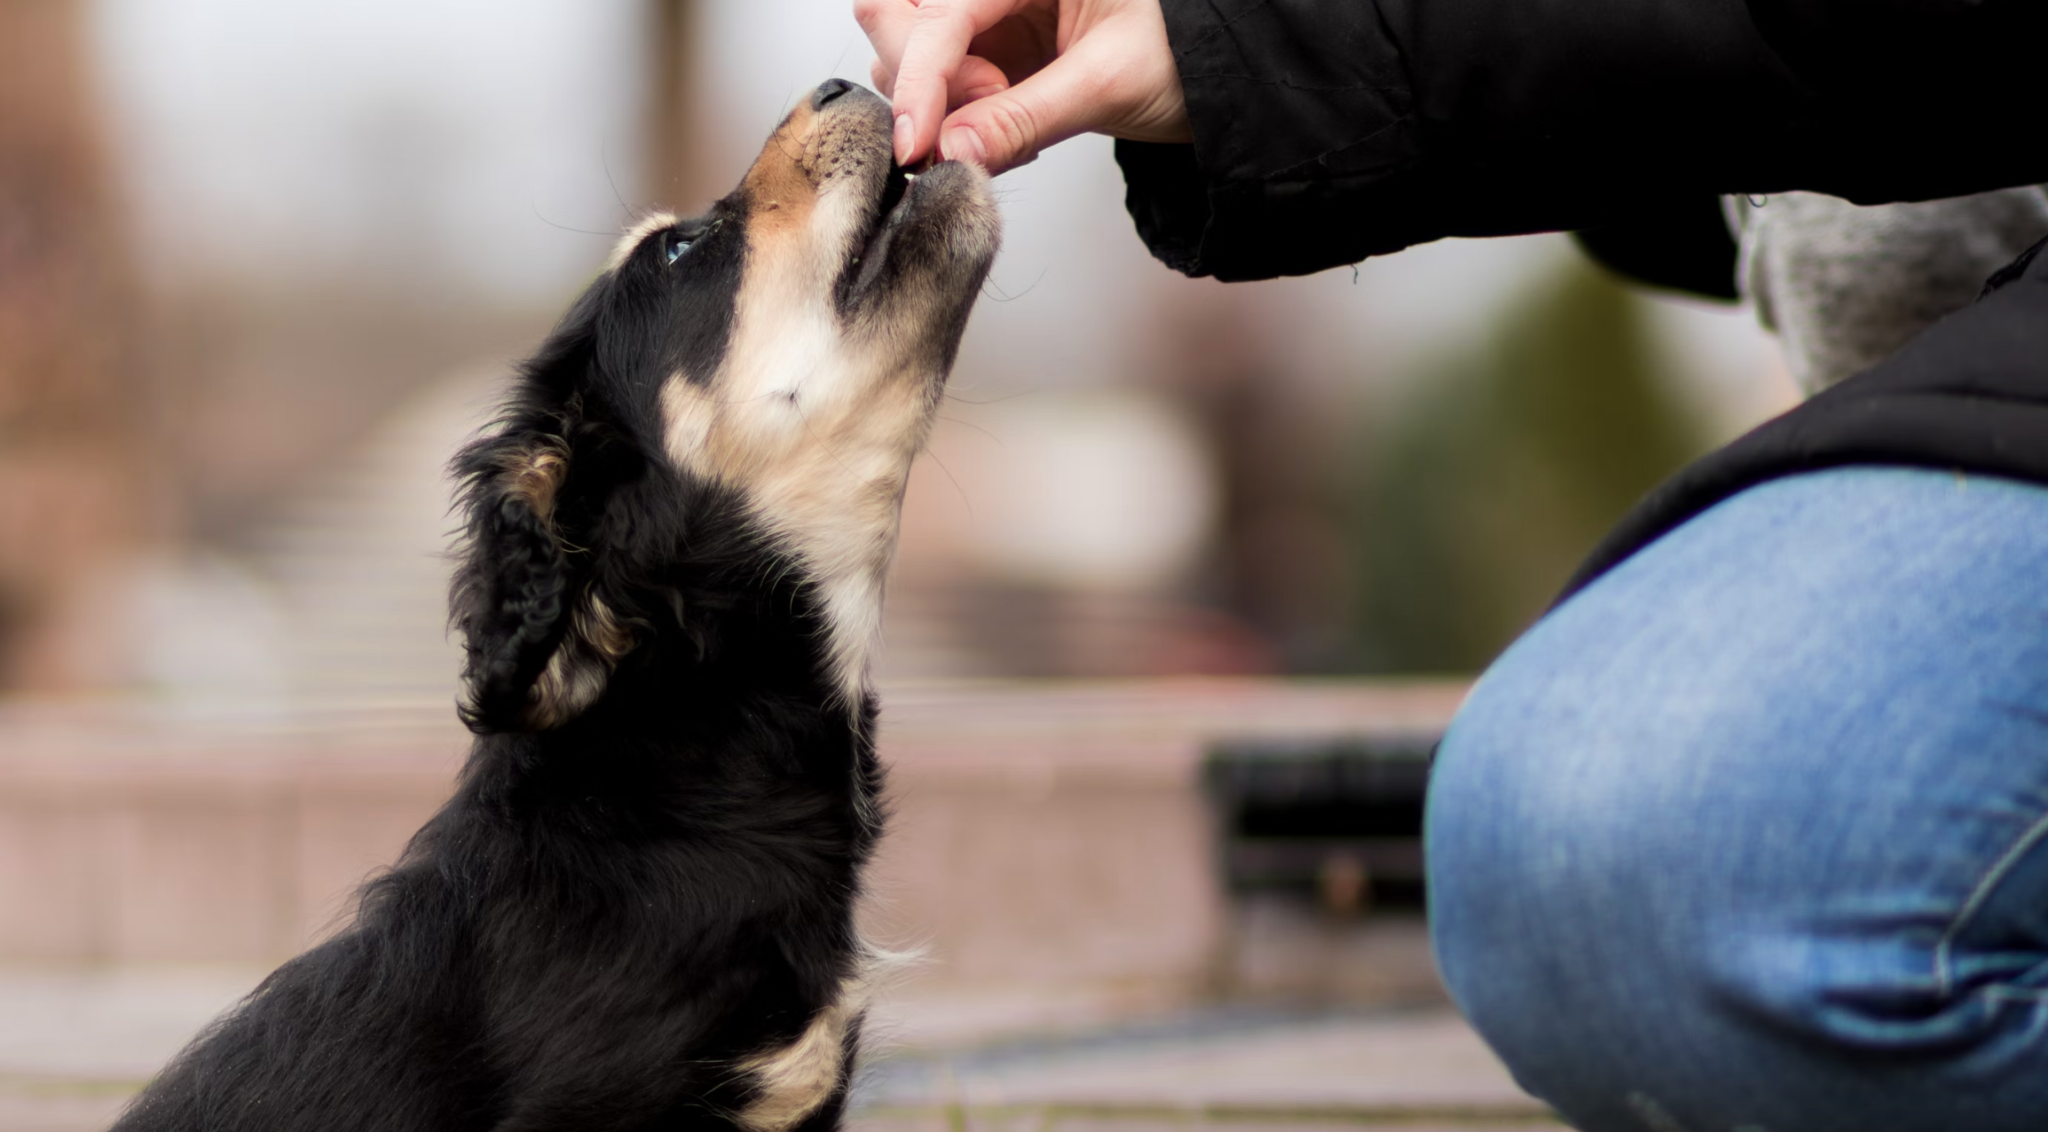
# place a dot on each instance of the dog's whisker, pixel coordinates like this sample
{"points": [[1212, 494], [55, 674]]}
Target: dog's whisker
{"points": [[604, 161], [534, 206], [990, 285], [952, 396], [965, 423], [952, 479]]}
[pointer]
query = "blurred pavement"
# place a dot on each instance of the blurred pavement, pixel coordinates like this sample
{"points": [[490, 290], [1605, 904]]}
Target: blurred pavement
{"points": [[74, 1047]]}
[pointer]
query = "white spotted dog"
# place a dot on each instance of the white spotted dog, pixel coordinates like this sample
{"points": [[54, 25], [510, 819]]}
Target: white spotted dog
{"points": [[637, 911]]}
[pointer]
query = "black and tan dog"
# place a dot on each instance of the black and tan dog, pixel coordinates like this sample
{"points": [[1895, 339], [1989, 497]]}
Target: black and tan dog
{"points": [[637, 911]]}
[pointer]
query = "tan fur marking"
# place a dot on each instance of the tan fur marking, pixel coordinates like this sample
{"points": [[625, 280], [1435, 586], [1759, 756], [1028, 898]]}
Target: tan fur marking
{"points": [[533, 477], [779, 181], [794, 1081], [576, 673]]}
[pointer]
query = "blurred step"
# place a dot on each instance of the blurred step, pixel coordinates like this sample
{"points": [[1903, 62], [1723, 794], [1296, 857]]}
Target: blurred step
{"points": [[360, 561], [1236, 1065], [1061, 1120], [75, 1045]]}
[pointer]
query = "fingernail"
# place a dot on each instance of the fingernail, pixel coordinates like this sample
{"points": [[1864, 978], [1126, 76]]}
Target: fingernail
{"points": [[906, 137], [963, 144]]}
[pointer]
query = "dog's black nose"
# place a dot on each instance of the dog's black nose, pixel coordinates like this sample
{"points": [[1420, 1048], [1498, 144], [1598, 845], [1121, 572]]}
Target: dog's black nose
{"points": [[829, 90]]}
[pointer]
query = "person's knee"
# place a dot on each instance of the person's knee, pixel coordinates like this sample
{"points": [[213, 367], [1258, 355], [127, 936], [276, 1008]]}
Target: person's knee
{"points": [[1602, 911], [1689, 820], [1554, 870], [1591, 843]]}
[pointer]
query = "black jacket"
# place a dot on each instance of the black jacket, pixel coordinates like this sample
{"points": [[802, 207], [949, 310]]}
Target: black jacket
{"points": [[1331, 130]]}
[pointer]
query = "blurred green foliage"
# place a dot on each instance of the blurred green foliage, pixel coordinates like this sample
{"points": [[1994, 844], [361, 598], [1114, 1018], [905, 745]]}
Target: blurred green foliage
{"points": [[1509, 462]]}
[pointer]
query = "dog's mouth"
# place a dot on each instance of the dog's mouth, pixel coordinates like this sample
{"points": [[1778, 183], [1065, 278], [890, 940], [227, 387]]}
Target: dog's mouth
{"points": [[889, 214], [894, 210], [895, 189]]}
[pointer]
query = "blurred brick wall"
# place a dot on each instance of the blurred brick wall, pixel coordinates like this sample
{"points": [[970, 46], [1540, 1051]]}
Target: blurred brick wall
{"points": [[1041, 835]]}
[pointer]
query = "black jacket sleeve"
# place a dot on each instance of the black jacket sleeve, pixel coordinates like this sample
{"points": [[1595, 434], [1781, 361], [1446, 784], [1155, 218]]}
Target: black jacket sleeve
{"points": [[1331, 130]]}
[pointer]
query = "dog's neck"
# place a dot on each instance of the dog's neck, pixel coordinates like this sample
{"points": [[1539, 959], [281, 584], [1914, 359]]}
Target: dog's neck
{"points": [[736, 628], [821, 464], [737, 708]]}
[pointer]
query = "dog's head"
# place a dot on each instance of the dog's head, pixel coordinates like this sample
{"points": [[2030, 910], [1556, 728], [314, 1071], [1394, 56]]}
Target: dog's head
{"points": [[758, 376]]}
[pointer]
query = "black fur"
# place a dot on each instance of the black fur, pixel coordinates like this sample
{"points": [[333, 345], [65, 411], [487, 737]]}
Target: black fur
{"points": [[609, 913]]}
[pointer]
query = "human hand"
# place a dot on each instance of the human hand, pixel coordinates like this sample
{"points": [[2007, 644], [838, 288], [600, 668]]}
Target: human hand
{"points": [[1020, 75]]}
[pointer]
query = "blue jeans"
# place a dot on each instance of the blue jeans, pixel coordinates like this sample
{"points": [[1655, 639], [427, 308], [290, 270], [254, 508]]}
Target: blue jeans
{"points": [[1751, 835]]}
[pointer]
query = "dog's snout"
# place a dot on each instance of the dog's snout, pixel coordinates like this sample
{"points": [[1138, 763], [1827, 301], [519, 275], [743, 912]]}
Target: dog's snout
{"points": [[829, 90]]}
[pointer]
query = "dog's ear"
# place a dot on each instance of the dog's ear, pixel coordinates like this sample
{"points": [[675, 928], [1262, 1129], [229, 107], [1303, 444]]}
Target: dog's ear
{"points": [[541, 640]]}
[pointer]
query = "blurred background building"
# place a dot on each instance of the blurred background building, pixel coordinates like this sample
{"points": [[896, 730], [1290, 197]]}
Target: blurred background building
{"points": [[264, 266]]}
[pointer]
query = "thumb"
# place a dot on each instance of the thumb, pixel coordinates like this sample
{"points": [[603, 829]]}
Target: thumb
{"points": [[1010, 127]]}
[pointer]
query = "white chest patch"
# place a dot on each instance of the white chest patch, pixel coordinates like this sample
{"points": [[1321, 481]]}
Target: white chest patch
{"points": [[818, 432]]}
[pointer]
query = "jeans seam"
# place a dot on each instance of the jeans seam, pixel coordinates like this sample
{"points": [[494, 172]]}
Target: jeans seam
{"points": [[2007, 861]]}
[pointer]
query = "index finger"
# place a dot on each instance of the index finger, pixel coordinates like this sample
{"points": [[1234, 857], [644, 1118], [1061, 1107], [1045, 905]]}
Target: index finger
{"points": [[932, 55], [887, 24]]}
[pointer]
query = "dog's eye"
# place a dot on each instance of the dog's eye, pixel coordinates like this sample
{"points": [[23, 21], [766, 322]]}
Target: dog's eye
{"points": [[673, 246]]}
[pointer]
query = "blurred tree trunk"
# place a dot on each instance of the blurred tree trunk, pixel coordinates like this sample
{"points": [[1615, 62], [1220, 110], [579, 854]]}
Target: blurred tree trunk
{"points": [[72, 408], [1513, 460], [674, 179]]}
